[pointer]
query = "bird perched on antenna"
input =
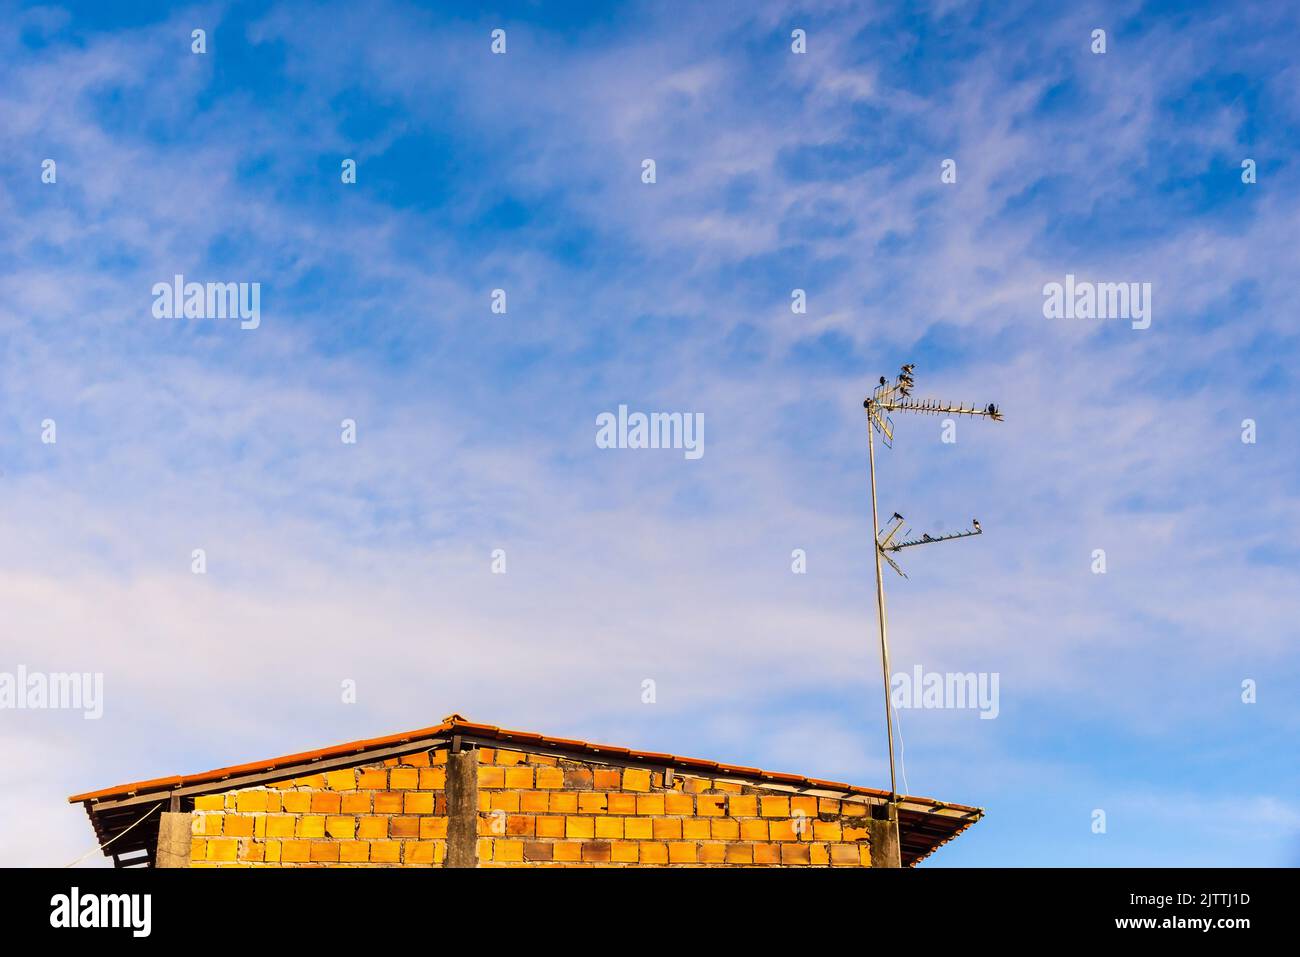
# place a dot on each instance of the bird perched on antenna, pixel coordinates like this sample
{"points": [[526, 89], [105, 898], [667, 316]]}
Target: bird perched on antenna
{"points": [[975, 522]]}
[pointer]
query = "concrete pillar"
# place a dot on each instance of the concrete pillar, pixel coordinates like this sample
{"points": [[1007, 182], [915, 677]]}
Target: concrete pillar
{"points": [[462, 809], [174, 834], [886, 850]]}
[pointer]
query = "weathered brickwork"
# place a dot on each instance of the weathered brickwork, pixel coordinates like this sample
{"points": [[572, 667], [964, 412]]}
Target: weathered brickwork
{"points": [[534, 810], [540, 810], [386, 814]]}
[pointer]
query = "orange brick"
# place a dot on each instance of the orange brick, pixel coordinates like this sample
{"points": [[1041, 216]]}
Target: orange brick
{"points": [[740, 854], [326, 802], [404, 826], [723, 829], [280, 825], [503, 800], [652, 853], [491, 777], [372, 827], [521, 778], [803, 804], [385, 852], [418, 802], [542, 759], [591, 802], [533, 801], [252, 851], [198, 849], [325, 852], [733, 787], [826, 830], [638, 828], [420, 759], [401, 779], [209, 802], [775, 806], [711, 805], [853, 809], [433, 779], [864, 855], [650, 804], [636, 779], [373, 779], [311, 825], [681, 852], [484, 849], [564, 802], [296, 802], [550, 827], [844, 854], [548, 778], [313, 781], [341, 780], [696, 785], [753, 829], [679, 804], [712, 853], [579, 827], [781, 831], [667, 828], [744, 805], [439, 756], [795, 854], [852, 833], [238, 825], [433, 828], [695, 828], [621, 803], [624, 852], [510, 757], [607, 826], [354, 852], [767, 853], [273, 852], [341, 826], [222, 849], [568, 851], [356, 802], [607, 779], [391, 762], [820, 857], [520, 825], [248, 801], [388, 802], [828, 806], [596, 852], [295, 852], [418, 852], [487, 755]]}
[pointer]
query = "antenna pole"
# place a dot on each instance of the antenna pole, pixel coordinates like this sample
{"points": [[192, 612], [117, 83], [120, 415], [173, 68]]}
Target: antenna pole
{"points": [[880, 611]]}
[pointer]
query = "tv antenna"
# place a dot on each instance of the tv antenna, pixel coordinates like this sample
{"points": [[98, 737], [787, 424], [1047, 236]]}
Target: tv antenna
{"points": [[897, 397]]}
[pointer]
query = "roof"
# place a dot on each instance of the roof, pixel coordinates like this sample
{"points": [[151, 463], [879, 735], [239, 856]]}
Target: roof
{"points": [[925, 823]]}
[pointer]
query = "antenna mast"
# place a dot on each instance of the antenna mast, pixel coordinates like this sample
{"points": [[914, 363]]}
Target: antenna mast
{"points": [[884, 399]]}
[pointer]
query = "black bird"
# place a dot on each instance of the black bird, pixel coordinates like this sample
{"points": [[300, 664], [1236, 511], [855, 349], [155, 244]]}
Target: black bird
{"points": [[976, 523], [882, 380]]}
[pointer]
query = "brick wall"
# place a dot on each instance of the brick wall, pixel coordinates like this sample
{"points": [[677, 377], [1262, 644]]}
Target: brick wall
{"points": [[533, 810], [383, 814], [540, 810]]}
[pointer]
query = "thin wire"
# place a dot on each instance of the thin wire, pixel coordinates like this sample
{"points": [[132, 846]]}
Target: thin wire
{"points": [[902, 762], [110, 841]]}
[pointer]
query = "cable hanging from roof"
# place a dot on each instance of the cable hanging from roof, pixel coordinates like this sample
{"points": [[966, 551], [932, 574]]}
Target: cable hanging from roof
{"points": [[114, 837]]}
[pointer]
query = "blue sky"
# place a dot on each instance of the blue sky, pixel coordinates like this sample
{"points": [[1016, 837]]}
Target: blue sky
{"points": [[775, 171]]}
